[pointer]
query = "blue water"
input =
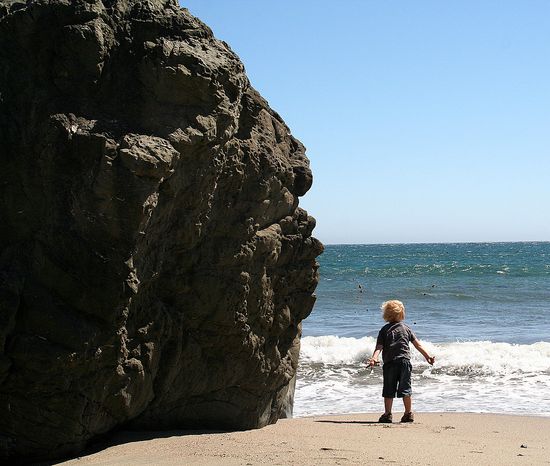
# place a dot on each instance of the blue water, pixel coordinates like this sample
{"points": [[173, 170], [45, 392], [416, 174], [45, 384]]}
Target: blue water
{"points": [[481, 291], [483, 309]]}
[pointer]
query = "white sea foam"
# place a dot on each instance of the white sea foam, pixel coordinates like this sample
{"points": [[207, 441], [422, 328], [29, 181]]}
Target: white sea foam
{"points": [[477, 376], [477, 356], [331, 349]]}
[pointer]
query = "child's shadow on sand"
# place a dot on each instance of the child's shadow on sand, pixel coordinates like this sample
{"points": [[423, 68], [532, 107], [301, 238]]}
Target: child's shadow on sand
{"points": [[376, 423]]}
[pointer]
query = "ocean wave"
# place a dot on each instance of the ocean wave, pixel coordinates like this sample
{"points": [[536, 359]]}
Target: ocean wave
{"points": [[332, 350], [458, 358], [473, 376], [436, 261], [433, 270]]}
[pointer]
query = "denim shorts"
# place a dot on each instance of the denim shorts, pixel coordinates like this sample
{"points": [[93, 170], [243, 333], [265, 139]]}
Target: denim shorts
{"points": [[397, 378]]}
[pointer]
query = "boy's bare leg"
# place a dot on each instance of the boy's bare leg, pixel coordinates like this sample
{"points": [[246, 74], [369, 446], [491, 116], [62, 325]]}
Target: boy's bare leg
{"points": [[388, 403], [407, 403]]}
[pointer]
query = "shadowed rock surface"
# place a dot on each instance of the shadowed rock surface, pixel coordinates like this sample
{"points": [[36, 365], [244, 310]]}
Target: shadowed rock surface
{"points": [[154, 263]]}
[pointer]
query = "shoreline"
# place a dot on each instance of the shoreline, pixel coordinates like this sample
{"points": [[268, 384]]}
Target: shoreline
{"points": [[434, 438], [399, 411]]}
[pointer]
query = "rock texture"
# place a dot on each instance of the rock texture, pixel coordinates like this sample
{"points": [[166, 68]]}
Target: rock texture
{"points": [[154, 263]]}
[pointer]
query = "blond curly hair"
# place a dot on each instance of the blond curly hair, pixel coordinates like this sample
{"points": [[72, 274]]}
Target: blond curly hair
{"points": [[393, 311]]}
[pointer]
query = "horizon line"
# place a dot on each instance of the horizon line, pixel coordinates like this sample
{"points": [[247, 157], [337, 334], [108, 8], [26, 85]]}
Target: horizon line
{"points": [[435, 242]]}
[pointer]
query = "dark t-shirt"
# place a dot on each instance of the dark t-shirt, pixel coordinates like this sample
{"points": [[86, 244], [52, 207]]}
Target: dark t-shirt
{"points": [[393, 340]]}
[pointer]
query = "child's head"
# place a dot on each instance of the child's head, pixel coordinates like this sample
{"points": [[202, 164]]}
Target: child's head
{"points": [[393, 311]]}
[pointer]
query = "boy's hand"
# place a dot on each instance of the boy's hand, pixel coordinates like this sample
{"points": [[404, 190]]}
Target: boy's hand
{"points": [[371, 362], [431, 360]]}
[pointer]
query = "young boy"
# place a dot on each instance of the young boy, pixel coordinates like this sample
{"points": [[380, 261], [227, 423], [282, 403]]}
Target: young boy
{"points": [[393, 341]]}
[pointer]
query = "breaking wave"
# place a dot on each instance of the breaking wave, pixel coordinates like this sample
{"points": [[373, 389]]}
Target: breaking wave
{"points": [[475, 376]]}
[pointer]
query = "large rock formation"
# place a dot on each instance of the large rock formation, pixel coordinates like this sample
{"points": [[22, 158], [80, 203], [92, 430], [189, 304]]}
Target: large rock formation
{"points": [[154, 264]]}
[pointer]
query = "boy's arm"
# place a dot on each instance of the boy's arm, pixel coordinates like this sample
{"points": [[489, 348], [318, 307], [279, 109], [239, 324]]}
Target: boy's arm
{"points": [[374, 359], [419, 347]]}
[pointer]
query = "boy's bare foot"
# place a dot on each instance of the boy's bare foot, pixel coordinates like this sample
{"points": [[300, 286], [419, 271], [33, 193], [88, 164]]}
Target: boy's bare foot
{"points": [[386, 418], [408, 417]]}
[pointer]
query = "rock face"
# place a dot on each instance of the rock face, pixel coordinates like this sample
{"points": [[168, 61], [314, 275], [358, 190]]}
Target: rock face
{"points": [[154, 263]]}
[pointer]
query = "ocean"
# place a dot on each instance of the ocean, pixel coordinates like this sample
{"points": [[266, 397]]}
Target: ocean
{"points": [[483, 310]]}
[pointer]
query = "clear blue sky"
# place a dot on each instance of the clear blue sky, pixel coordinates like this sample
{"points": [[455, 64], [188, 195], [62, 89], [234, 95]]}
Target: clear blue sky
{"points": [[425, 121]]}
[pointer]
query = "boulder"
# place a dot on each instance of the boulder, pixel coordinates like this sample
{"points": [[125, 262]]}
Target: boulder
{"points": [[154, 264]]}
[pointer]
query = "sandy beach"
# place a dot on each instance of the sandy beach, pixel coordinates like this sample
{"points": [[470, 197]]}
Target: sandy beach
{"points": [[433, 439]]}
